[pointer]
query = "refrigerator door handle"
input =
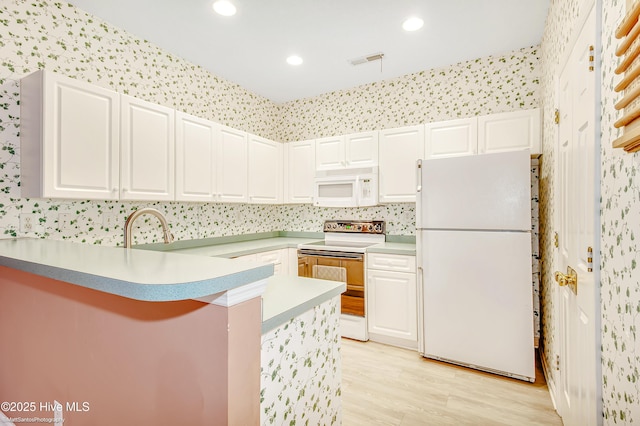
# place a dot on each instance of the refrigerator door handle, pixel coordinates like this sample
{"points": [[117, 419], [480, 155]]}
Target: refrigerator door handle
{"points": [[419, 176]]}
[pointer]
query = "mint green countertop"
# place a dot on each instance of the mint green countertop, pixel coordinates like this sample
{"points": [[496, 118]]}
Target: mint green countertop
{"points": [[241, 248], [407, 249], [136, 274], [287, 297]]}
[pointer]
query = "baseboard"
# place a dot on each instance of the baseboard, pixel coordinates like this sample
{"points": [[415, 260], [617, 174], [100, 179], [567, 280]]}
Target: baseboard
{"points": [[551, 385]]}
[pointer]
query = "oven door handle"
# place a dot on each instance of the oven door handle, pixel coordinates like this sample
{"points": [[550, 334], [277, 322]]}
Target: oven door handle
{"points": [[331, 254]]}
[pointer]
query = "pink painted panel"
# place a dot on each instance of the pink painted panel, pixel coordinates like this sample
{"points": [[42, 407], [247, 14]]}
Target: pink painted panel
{"points": [[131, 362]]}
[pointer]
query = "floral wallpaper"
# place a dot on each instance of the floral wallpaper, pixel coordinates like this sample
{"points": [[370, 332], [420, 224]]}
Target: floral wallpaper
{"points": [[301, 369], [59, 37], [620, 225], [483, 86], [620, 255]]}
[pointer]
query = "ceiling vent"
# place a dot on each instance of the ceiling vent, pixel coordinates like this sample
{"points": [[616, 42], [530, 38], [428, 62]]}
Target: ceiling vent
{"points": [[368, 58]]}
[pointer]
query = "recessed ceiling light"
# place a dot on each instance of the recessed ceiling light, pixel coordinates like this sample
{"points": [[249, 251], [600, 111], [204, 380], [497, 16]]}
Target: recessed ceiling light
{"points": [[412, 24], [294, 60], [224, 8]]}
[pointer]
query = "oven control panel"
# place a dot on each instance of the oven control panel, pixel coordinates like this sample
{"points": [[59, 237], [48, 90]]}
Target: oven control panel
{"points": [[355, 226]]}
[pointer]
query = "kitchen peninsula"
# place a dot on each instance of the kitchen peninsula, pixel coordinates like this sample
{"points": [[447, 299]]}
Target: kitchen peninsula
{"points": [[137, 334]]}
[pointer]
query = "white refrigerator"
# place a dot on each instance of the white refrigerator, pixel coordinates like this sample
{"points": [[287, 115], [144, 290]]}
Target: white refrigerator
{"points": [[473, 222]]}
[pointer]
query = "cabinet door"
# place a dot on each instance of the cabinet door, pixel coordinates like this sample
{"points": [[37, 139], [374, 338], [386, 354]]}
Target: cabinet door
{"points": [[292, 254], [330, 153], [195, 158], [276, 257], [70, 140], [232, 165], [451, 138], [148, 150], [392, 306], [361, 149], [399, 150], [265, 171], [301, 160], [509, 131]]}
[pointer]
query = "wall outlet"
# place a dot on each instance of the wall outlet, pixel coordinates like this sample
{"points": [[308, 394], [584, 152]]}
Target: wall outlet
{"points": [[64, 221], [28, 222], [109, 220]]}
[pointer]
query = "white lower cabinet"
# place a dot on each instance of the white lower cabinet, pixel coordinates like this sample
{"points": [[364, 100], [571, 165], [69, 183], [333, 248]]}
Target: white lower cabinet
{"points": [[279, 259], [392, 311], [292, 261]]}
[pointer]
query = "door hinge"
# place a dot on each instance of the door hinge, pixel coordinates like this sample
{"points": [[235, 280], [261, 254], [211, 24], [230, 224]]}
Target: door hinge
{"points": [[557, 116], [557, 362], [556, 240], [589, 259], [591, 58]]}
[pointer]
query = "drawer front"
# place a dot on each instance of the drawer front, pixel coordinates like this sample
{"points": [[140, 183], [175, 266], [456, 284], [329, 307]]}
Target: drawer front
{"points": [[273, 256], [391, 262]]}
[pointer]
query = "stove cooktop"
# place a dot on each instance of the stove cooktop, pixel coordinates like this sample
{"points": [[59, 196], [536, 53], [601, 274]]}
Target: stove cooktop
{"points": [[339, 244]]}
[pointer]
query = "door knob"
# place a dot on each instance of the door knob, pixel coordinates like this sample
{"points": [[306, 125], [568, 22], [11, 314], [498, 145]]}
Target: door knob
{"points": [[570, 279]]}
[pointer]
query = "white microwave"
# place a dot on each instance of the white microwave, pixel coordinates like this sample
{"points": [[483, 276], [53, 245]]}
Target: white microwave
{"points": [[347, 187]]}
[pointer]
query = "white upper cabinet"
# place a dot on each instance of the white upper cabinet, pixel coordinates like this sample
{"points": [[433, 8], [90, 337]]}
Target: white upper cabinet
{"points": [[509, 131], [361, 149], [330, 153], [265, 171], [355, 150], [300, 160], [232, 165], [196, 156], [451, 138], [70, 140], [399, 150], [148, 150]]}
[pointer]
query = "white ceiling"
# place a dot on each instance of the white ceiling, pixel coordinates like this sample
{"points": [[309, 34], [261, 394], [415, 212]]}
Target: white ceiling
{"points": [[250, 48]]}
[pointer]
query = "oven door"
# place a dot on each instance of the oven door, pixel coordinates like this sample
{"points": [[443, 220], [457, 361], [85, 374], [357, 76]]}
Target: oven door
{"points": [[337, 266]]}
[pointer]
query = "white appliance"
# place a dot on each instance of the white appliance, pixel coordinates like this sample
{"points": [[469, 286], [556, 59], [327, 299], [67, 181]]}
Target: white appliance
{"points": [[346, 187], [473, 224], [341, 257]]}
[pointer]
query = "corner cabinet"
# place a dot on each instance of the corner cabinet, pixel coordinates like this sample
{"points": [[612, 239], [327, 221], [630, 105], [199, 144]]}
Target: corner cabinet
{"points": [[265, 171], [451, 138], [300, 161], [491, 133], [233, 149], [70, 138], [392, 306], [509, 131], [354, 150], [148, 150], [399, 149], [196, 157]]}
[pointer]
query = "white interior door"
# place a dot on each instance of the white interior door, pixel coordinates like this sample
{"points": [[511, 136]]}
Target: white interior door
{"points": [[579, 354]]}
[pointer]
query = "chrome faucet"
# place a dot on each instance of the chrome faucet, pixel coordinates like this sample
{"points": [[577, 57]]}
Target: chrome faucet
{"points": [[128, 225]]}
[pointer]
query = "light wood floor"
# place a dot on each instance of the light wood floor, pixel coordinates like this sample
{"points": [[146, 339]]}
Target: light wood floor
{"points": [[384, 385]]}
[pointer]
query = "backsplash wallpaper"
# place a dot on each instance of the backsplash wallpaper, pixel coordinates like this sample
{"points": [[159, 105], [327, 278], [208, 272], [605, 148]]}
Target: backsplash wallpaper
{"points": [[64, 39]]}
